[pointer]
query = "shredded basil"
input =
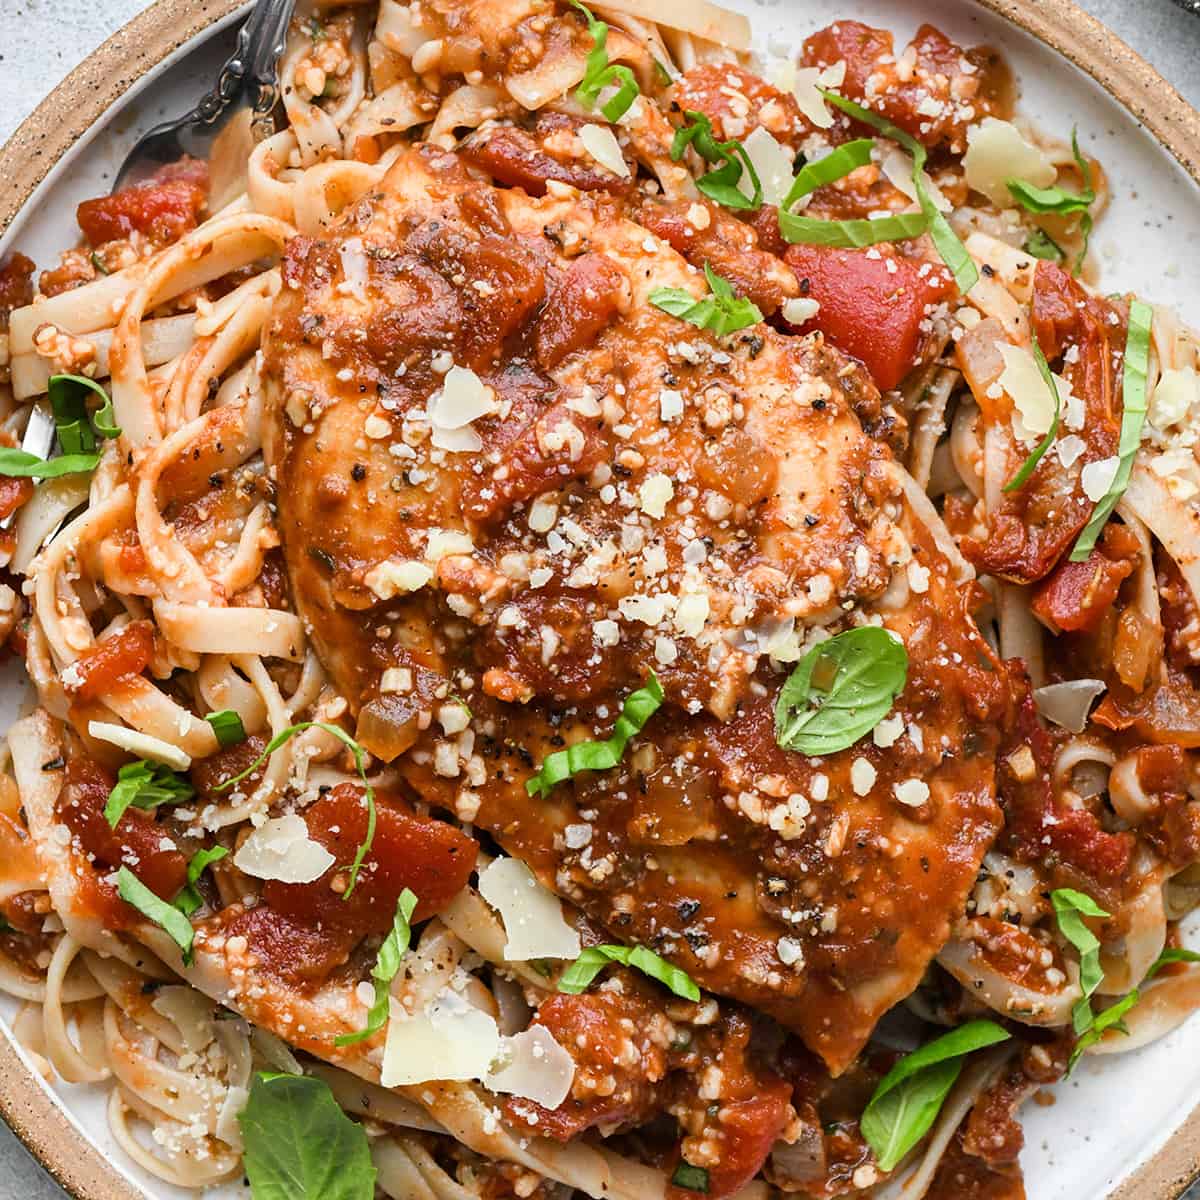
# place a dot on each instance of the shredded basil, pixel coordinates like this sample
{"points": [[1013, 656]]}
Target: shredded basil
{"points": [[1030, 464], [145, 785], [835, 165], [1133, 416], [189, 898], [1058, 200], [77, 432], [21, 464], [300, 1145], [908, 1098], [387, 963], [1041, 245], [98, 263], [1070, 907], [692, 1179], [599, 73], [638, 708], [859, 674], [228, 727], [579, 976], [721, 311], [133, 891], [850, 235], [719, 185], [285, 735]]}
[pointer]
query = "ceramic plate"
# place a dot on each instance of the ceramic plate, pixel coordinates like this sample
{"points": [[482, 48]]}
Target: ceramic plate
{"points": [[1125, 1127]]}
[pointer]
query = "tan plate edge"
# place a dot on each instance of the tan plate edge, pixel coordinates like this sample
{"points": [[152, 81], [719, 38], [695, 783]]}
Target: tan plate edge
{"points": [[99, 82]]}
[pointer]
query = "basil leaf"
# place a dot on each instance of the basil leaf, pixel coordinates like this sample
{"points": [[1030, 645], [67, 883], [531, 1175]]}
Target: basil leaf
{"points": [[299, 1145], [722, 311], [1059, 200], [387, 963], [719, 185], [580, 974], [599, 73], [189, 899], [859, 675], [68, 402], [953, 252], [692, 1179], [1173, 955], [638, 708], [1041, 245], [835, 165], [1030, 464], [851, 235], [145, 785], [133, 891], [228, 727], [21, 464], [285, 735], [908, 1098], [1133, 416], [1070, 907]]}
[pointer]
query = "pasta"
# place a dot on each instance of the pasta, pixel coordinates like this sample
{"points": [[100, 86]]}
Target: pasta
{"points": [[593, 572]]}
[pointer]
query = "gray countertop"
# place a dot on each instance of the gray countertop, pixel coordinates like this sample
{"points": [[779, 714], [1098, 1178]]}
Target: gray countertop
{"points": [[54, 35]]}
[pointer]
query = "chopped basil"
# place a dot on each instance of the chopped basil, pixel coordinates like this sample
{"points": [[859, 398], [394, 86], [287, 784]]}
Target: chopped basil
{"points": [[840, 690], [77, 432], [1058, 200], [580, 974], [599, 73], [299, 1145], [189, 899], [133, 891], [693, 1179], [5, 927], [285, 735], [22, 464], [1041, 245], [228, 727], [721, 310], [835, 165], [1070, 907], [98, 263], [1133, 416], [1030, 464], [850, 235], [145, 785], [638, 708], [719, 185], [1113, 1017], [387, 963], [909, 1096]]}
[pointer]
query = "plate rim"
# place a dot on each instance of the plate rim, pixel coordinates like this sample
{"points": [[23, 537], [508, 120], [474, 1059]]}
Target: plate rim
{"points": [[140, 47]]}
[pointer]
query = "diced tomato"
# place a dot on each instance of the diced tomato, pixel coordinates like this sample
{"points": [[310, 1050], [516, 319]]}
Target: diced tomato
{"points": [[873, 304], [120, 656], [737, 101], [162, 210], [1077, 594], [16, 285], [579, 307]]}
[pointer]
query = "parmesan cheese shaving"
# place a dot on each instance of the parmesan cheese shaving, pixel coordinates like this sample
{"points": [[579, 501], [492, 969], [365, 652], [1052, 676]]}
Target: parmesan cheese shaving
{"points": [[805, 83], [281, 849], [1030, 396], [354, 267], [799, 310], [773, 165], [898, 168], [463, 398], [190, 1012], [1173, 397], [996, 152], [601, 143], [1068, 704], [1096, 477], [451, 1040], [533, 1065], [388, 579], [532, 915], [141, 745]]}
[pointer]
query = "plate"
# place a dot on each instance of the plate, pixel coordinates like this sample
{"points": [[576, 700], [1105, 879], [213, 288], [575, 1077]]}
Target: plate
{"points": [[1125, 1127]]}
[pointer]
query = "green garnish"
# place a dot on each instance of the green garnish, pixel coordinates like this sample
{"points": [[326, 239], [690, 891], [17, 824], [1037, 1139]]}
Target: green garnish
{"points": [[840, 690], [228, 727], [133, 891], [387, 963], [1041, 245], [5, 927], [189, 899], [1133, 416], [851, 235], [638, 708], [1030, 464], [599, 73], [285, 735], [1070, 907], [580, 974], [1058, 200], [909, 1096], [145, 785], [835, 165], [953, 252], [299, 1145], [98, 263], [77, 432], [693, 1179], [721, 184], [721, 310], [22, 464]]}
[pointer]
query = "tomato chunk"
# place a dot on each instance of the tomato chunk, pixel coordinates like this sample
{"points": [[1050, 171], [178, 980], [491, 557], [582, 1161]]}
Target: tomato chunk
{"points": [[163, 209], [1077, 594], [122, 655], [737, 101], [16, 285], [582, 304], [873, 304]]}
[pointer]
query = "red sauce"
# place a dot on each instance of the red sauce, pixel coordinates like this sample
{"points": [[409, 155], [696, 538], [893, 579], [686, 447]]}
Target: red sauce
{"points": [[579, 307], [16, 285], [126, 653], [1077, 595], [162, 210], [707, 89]]}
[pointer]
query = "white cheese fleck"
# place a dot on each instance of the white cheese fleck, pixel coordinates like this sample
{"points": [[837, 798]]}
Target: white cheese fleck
{"points": [[862, 776], [1096, 477], [913, 792], [655, 494]]}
